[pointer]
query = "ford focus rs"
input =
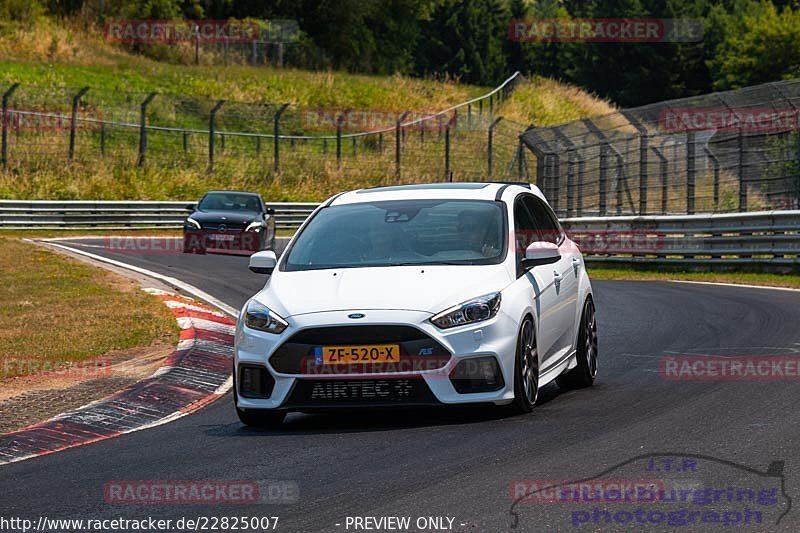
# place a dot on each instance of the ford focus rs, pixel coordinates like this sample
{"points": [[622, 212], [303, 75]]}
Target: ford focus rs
{"points": [[417, 295]]}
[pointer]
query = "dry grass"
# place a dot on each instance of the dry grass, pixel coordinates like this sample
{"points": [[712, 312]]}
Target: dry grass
{"points": [[55, 310], [545, 101]]}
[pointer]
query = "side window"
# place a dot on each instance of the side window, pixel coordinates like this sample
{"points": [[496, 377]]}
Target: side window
{"points": [[526, 230], [545, 219]]}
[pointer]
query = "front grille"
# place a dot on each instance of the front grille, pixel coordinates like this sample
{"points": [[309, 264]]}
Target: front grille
{"points": [[229, 226], [319, 393], [418, 351]]}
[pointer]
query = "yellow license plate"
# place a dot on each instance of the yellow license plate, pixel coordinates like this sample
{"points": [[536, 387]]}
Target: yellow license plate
{"points": [[351, 355]]}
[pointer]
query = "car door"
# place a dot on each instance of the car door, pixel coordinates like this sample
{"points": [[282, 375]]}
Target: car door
{"points": [[565, 274], [538, 281]]}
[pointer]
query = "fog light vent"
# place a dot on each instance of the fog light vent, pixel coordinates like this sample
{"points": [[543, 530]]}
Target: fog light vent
{"points": [[478, 374], [255, 382]]}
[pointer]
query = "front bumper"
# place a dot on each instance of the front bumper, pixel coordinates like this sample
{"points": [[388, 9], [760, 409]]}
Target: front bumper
{"points": [[231, 241], [410, 384]]}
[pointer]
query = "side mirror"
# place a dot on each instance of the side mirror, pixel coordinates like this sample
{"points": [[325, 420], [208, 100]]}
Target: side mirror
{"points": [[270, 211], [540, 253], [191, 208], [263, 262]]}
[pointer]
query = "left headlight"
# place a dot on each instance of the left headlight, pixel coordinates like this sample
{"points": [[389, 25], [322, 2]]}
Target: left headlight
{"points": [[260, 317], [192, 222], [255, 225], [475, 310]]}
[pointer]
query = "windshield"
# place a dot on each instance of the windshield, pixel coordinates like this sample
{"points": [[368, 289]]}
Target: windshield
{"points": [[229, 201], [406, 232]]}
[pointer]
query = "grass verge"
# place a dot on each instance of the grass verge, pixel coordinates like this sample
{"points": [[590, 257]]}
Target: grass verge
{"points": [[737, 278], [55, 310]]}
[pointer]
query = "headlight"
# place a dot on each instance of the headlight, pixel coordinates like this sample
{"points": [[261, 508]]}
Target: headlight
{"points": [[475, 310], [192, 222], [258, 316], [255, 225]]}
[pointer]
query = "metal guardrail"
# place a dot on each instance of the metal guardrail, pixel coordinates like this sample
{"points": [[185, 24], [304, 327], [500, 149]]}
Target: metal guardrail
{"points": [[758, 239], [765, 238], [47, 214]]}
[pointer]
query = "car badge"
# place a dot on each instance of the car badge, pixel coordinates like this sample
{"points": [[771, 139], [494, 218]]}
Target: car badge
{"points": [[355, 315]]}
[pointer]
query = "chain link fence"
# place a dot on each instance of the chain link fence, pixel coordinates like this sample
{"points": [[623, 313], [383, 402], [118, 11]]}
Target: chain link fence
{"points": [[49, 129], [722, 152]]}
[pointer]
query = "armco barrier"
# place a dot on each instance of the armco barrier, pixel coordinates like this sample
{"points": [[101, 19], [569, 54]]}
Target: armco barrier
{"points": [[765, 238], [758, 239], [55, 214]]}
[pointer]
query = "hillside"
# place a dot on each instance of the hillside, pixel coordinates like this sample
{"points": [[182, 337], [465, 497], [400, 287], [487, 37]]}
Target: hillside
{"points": [[73, 55]]}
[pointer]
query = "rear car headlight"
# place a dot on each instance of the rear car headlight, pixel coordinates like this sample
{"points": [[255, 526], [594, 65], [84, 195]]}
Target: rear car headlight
{"points": [[191, 223], [256, 225], [475, 310], [260, 317]]}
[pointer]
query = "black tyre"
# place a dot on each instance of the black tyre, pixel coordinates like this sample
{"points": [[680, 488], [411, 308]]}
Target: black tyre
{"points": [[259, 418], [584, 374], [256, 418], [526, 370]]}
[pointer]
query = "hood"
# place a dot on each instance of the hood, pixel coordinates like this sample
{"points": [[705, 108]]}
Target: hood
{"points": [[229, 217], [429, 289]]}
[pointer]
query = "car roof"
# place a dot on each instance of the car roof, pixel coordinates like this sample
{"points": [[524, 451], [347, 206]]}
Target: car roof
{"points": [[250, 193], [436, 191]]}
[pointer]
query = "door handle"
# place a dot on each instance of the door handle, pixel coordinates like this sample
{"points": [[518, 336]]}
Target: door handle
{"points": [[576, 264], [556, 276]]}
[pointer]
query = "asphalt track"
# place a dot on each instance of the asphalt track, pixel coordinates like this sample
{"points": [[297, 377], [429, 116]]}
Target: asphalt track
{"points": [[460, 463]]}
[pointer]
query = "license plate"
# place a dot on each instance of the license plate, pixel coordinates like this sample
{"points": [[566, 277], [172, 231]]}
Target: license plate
{"points": [[222, 237], [352, 355]]}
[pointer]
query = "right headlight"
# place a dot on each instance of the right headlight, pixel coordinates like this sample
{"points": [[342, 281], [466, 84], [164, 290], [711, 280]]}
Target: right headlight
{"points": [[259, 316], [475, 310], [190, 222]]}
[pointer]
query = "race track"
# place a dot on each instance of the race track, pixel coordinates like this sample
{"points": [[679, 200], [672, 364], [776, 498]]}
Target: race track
{"points": [[460, 463]]}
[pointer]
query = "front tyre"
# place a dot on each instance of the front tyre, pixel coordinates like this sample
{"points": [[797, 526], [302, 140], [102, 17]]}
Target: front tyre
{"points": [[526, 370], [584, 373], [256, 418], [262, 419]]}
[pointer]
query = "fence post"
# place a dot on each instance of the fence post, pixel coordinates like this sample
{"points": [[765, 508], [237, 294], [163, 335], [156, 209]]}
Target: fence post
{"points": [[197, 45], [4, 147], [690, 172], [355, 152], [663, 170], [603, 179], [339, 120], [715, 162], [143, 128], [73, 120], [276, 139], [380, 143], [212, 119], [579, 199], [398, 131], [447, 151], [490, 146], [102, 138]]}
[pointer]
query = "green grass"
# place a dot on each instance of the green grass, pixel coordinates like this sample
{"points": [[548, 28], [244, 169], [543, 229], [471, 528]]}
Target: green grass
{"points": [[56, 310], [738, 278]]}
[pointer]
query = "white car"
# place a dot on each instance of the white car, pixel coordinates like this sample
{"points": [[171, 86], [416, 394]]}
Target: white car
{"points": [[431, 294]]}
